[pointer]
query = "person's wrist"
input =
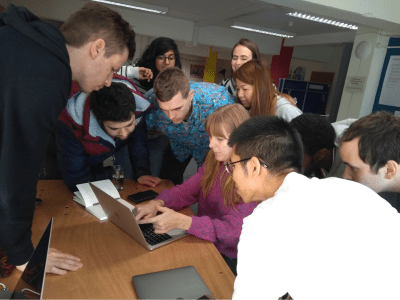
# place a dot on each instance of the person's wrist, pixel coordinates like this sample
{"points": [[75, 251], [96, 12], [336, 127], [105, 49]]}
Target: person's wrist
{"points": [[158, 202], [186, 222]]}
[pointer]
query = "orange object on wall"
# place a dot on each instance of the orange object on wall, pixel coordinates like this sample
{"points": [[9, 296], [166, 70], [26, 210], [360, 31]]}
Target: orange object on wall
{"points": [[280, 63]]}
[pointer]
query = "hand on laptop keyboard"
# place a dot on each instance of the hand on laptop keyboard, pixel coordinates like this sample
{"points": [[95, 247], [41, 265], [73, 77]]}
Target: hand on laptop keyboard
{"points": [[151, 237], [168, 220], [148, 210]]}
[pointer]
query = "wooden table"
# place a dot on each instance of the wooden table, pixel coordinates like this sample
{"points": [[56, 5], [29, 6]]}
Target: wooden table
{"points": [[110, 257]]}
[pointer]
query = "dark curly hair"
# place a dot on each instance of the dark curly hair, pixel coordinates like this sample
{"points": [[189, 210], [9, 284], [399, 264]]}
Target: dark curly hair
{"points": [[315, 131], [115, 103], [148, 60]]}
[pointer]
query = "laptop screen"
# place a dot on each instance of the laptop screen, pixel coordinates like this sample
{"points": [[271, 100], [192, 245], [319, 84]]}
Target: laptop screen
{"points": [[30, 285]]}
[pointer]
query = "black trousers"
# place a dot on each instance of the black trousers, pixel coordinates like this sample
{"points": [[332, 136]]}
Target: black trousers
{"points": [[231, 262], [172, 169]]}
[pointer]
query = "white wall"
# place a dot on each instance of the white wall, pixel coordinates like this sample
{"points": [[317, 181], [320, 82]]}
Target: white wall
{"points": [[226, 37], [318, 59], [143, 23], [387, 10], [356, 105], [315, 53], [321, 39], [333, 65], [154, 25], [371, 13]]}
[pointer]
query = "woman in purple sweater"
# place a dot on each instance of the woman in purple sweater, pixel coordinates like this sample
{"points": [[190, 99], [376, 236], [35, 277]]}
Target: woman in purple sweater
{"points": [[221, 211]]}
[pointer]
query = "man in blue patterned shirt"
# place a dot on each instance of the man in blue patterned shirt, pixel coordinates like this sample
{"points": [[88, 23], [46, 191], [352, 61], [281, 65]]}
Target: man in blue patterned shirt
{"points": [[180, 110]]}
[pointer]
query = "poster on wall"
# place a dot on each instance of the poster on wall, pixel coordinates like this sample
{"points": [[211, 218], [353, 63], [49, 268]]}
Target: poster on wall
{"points": [[387, 94], [298, 73], [391, 84], [197, 71], [355, 84]]}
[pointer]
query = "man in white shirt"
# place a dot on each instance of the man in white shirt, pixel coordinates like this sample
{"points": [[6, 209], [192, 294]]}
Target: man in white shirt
{"points": [[313, 238]]}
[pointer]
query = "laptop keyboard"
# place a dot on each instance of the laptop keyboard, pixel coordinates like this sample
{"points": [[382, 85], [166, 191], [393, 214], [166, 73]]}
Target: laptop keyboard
{"points": [[151, 237]]}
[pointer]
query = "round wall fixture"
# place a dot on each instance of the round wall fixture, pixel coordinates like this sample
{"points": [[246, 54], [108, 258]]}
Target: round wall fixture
{"points": [[363, 49]]}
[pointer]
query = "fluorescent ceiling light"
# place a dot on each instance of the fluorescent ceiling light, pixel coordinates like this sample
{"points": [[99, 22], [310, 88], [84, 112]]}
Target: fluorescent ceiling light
{"points": [[322, 20], [137, 5], [262, 30]]}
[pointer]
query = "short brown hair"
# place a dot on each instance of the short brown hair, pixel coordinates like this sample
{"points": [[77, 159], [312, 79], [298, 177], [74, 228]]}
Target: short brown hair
{"points": [[95, 21], [379, 135], [249, 44], [169, 83]]}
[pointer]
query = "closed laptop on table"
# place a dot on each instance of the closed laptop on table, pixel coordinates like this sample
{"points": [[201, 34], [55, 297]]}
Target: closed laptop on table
{"points": [[180, 283]]}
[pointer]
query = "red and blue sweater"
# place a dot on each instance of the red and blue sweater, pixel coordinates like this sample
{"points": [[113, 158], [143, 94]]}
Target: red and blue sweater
{"points": [[83, 145]]}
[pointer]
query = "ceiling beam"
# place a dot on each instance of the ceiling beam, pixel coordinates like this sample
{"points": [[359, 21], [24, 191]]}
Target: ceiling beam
{"points": [[223, 16], [195, 37], [322, 39]]}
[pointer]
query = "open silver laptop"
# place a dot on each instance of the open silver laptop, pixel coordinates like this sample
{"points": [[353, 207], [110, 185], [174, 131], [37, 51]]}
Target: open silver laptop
{"points": [[121, 213], [31, 283], [180, 283]]}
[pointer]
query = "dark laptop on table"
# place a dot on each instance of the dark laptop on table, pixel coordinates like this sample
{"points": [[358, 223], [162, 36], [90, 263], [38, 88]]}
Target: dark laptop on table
{"points": [[31, 283], [121, 213], [180, 283]]}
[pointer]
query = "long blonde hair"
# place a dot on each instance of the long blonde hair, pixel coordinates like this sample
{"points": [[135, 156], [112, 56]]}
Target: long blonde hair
{"points": [[224, 120]]}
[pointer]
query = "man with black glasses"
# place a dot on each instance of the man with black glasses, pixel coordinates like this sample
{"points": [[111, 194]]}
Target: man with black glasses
{"points": [[313, 238]]}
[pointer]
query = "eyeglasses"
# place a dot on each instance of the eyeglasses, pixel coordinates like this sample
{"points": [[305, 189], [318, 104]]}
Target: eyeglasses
{"points": [[229, 167], [163, 58]]}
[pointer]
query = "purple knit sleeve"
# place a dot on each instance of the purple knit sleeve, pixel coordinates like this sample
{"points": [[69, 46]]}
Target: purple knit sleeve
{"points": [[183, 195], [224, 231]]}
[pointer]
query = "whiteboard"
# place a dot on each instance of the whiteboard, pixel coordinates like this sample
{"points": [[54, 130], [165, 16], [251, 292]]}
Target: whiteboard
{"points": [[390, 94]]}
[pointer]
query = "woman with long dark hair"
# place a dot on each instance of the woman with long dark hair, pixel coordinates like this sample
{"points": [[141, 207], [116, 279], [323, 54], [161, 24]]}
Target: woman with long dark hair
{"points": [[162, 53], [257, 93]]}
